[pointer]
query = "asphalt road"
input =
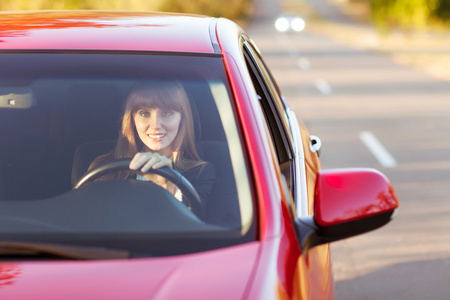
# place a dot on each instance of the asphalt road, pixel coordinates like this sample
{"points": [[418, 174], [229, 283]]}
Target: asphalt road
{"points": [[372, 112]]}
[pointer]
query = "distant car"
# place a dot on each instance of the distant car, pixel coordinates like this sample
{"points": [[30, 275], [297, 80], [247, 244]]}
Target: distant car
{"points": [[290, 23], [64, 80]]}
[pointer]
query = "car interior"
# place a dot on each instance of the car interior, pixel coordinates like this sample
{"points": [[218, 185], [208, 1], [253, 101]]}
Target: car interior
{"points": [[46, 148]]}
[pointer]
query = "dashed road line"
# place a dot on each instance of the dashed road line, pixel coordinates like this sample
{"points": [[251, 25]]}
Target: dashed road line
{"points": [[377, 149], [304, 63], [323, 87]]}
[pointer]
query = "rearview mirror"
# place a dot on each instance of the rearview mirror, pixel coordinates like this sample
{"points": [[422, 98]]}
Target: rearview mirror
{"points": [[16, 97], [348, 202]]}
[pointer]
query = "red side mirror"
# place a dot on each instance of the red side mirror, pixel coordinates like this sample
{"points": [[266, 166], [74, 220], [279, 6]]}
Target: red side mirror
{"points": [[348, 202], [346, 195]]}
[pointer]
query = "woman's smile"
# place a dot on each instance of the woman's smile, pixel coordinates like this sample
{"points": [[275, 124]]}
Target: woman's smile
{"points": [[157, 136]]}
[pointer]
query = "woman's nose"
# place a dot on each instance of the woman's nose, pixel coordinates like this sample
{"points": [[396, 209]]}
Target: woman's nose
{"points": [[155, 121]]}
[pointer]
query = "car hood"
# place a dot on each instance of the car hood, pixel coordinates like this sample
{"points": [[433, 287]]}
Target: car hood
{"points": [[217, 274]]}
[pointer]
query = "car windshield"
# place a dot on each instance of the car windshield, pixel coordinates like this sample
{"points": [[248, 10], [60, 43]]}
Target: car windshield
{"points": [[60, 111]]}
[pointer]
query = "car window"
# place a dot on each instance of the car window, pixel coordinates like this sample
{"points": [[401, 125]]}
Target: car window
{"points": [[274, 111], [60, 112], [294, 169]]}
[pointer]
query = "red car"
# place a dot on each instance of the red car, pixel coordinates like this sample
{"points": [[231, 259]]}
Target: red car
{"points": [[239, 209]]}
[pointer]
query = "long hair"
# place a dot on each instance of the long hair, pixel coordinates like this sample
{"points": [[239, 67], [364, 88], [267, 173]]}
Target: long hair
{"points": [[168, 95]]}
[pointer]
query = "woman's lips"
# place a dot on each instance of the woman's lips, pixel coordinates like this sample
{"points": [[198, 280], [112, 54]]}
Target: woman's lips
{"points": [[156, 137]]}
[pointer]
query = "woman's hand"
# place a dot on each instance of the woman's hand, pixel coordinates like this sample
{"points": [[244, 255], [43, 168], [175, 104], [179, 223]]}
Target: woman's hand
{"points": [[144, 161]]}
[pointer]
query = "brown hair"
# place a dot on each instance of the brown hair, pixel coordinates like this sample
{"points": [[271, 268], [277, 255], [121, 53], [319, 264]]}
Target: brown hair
{"points": [[166, 95]]}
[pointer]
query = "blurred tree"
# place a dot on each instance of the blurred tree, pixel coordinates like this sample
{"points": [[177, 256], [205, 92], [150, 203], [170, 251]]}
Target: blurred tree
{"points": [[403, 14], [233, 8], [442, 10], [409, 14]]}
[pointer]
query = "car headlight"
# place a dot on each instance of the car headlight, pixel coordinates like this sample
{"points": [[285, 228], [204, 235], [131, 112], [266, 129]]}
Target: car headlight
{"points": [[282, 24], [298, 24]]}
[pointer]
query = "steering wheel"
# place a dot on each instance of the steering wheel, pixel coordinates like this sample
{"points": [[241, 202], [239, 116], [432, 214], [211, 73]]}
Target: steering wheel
{"points": [[191, 198]]}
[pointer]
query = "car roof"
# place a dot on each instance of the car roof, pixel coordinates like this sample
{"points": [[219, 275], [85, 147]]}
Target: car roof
{"points": [[107, 30]]}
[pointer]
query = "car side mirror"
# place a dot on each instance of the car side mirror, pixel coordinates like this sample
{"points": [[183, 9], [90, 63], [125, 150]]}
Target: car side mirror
{"points": [[347, 202]]}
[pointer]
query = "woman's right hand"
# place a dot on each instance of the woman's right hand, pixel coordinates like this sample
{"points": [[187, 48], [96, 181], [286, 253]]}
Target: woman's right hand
{"points": [[144, 161]]}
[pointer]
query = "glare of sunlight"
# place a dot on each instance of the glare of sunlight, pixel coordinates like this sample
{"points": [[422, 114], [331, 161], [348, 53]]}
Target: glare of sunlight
{"points": [[225, 109]]}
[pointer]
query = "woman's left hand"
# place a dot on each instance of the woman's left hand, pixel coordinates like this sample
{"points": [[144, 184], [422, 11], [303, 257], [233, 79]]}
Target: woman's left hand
{"points": [[147, 160]]}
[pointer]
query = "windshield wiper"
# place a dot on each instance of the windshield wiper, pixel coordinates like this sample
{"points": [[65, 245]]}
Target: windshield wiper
{"points": [[14, 248]]}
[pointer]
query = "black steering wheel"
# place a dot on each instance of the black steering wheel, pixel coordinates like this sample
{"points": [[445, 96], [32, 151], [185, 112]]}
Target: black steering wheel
{"points": [[190, 196]]}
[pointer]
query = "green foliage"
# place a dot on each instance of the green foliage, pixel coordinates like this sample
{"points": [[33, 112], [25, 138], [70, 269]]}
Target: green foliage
{"points": [[409, 15], [405, 14], [442, 10], [231, 9]]}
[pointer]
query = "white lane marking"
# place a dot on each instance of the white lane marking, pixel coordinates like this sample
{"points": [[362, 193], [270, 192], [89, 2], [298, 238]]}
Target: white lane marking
{"points": [[377, 149], [323, 87], [304, 63]]}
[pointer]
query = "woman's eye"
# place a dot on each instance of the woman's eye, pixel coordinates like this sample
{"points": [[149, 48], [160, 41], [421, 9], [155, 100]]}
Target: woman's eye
{"points": [[167, 114], [144, 113]]}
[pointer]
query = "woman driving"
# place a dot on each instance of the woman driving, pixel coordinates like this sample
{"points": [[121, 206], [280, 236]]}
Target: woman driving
{"points": [[157, 131]]}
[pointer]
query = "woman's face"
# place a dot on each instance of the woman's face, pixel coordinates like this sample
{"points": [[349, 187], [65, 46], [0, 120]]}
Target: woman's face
{"points": [[157, 128]]}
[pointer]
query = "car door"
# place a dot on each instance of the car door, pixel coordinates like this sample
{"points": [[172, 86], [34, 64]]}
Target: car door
{"points": [[298, 164]]}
